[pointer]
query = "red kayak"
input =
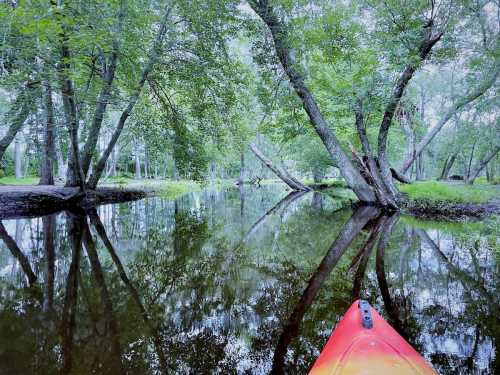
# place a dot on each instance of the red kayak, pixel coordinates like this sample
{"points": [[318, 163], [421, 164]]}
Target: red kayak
{"points": [[364, 343]]}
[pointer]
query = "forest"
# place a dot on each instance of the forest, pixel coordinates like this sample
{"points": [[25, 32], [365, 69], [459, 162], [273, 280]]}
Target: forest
{"points": [[235, 131], [374, 94]]}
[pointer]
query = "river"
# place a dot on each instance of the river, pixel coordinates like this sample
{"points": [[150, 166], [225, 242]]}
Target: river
{"points": [[248, 280]]}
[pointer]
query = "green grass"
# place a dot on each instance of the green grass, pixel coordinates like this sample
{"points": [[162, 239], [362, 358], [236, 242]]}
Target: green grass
{"points": [[434, 191], [10, 180]]}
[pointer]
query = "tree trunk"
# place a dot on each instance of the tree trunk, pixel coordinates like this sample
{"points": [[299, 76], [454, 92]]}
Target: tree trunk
{"points": [[61, 164], [352, 176], [292, 183], [75, 173], [419, 169], [153, 56], [445, 168], [49, 147], [370, 168], [450, 165], [175, 171], [470, 160], [482, 164], [241, 178], [410, 137], [146, 162], [17, 115], [18, 158], [137, 159], [102, 100], [424, 50], [432, 131]]}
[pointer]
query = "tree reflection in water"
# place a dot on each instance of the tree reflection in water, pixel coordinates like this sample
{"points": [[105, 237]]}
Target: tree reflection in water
{"points": [[228, 282]]}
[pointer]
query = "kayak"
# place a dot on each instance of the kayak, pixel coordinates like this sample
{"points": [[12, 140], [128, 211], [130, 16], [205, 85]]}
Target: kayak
{"points": [[364, 343]]}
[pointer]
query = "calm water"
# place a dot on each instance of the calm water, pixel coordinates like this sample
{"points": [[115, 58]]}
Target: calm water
{"points": [[238, 281]]}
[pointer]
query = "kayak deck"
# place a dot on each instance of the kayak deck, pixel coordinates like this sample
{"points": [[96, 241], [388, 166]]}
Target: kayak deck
{"points": [[364, 343]]}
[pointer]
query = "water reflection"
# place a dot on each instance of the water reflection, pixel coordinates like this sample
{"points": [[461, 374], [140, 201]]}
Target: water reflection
{"points": [[237, 281]]}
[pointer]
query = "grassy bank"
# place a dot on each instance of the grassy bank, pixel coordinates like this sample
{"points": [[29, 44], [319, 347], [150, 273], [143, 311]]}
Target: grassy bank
{"points": [[11, 180], [434, 191], [434, 199]]}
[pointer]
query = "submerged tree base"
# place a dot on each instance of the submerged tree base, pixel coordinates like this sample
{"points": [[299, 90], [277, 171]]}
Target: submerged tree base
{"points": [[17, 201]]}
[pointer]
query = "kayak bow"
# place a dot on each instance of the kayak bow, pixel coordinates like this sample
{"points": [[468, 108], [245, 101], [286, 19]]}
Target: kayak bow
{"points": [[364, 343]]}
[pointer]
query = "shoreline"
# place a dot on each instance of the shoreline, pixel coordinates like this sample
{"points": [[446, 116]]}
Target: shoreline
{"points": [[37, 200]]}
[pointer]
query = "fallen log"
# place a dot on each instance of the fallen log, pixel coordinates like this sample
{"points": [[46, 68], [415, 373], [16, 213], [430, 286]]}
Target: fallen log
{"points": [[26, 201]]}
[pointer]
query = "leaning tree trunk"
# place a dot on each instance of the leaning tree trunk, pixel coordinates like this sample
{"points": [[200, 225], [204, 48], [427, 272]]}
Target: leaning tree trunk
{"points": [[470, 160], [153, 57], [424, 50], [103, 99], [283, 175], [450, 165], [447, 166], [49, 147], [431, 133], [409, 133], [482, 164], [17, 115], [352, 176]]}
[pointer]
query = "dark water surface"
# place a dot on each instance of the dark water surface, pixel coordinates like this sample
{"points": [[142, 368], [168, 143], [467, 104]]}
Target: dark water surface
{"points": [[238, 281]]}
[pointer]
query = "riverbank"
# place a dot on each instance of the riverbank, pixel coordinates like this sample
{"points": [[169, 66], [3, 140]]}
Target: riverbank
{"points": [[450, 200], [428, 199], [168, 189]]}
